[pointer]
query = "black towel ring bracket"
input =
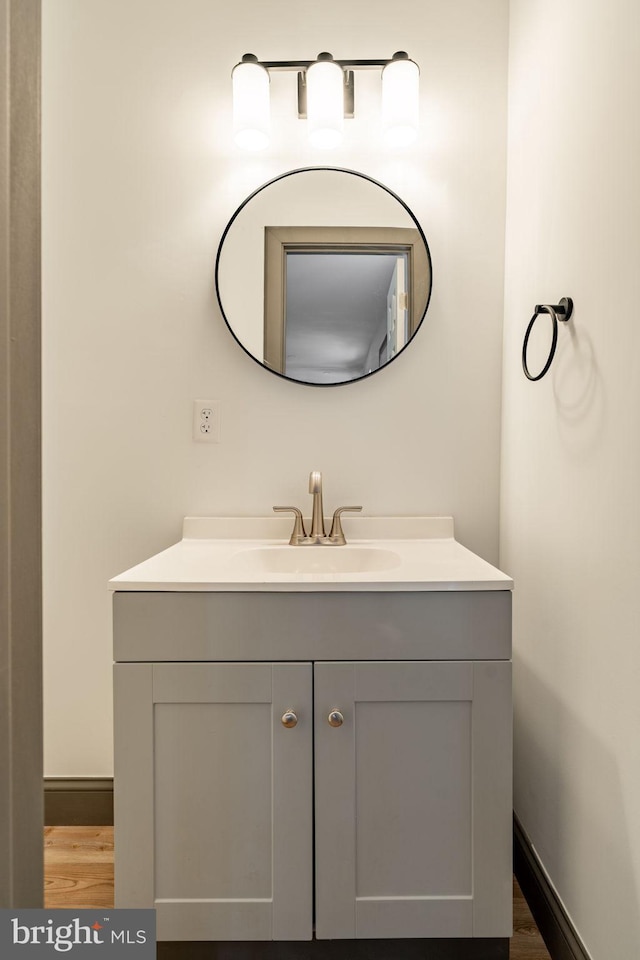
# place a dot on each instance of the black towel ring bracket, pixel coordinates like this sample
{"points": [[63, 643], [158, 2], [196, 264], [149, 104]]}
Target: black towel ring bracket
{"points": [[559, 311]]}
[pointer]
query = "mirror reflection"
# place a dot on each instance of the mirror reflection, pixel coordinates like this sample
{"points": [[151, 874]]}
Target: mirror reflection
{"points": [[369, 289], [323, 276]]}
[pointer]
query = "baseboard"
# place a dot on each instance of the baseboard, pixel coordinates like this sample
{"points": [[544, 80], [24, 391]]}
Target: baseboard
{"points": [[558, 933], [74, 802]]}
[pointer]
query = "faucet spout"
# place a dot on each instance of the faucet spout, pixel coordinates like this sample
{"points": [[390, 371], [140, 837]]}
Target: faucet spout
{"points": [[317, 518]]}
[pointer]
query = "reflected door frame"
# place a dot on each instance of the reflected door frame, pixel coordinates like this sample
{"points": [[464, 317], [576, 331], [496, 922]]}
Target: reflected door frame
{"points": [[281, 240]]}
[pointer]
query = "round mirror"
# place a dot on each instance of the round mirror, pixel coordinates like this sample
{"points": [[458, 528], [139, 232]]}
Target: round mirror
{"points": [[323, 275]]}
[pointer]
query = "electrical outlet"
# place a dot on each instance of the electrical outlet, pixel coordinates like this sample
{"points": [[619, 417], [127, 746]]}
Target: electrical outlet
{"points": [[206, 421]]}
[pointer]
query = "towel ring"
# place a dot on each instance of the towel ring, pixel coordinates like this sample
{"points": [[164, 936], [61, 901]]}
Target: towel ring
{"points": [[560, 311]]}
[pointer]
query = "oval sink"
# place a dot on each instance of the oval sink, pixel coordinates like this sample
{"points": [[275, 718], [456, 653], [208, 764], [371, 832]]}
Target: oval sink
{"points": [[330, 560]]}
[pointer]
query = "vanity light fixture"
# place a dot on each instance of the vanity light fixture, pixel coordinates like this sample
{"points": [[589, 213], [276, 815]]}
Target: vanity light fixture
{"points": [[325, 97], [400, 95], [325, 102], [251, 111]]}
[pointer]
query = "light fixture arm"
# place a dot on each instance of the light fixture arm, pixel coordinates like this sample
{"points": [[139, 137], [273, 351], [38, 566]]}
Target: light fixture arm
{"points": [[304, 64]]}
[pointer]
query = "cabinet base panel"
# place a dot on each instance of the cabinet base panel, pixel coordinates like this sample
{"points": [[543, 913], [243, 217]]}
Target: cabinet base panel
{"points": [[492, 948]]}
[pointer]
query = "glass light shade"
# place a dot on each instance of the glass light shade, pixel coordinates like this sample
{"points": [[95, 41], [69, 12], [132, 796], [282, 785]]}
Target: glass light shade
{"points": [[400, 101], [251, 113], [325, 103]]}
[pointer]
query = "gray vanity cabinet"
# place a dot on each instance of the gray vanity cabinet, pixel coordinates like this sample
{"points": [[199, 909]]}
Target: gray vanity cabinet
{"points": [[383, 811], [214, 798], [413, 800]]}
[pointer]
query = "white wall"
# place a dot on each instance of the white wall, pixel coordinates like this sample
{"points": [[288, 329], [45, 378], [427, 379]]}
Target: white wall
{"points": [[140, 177], [571, 455]]}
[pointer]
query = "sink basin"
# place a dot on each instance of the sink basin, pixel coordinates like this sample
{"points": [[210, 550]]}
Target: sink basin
{"points": [[287, 559], [252, 554]]}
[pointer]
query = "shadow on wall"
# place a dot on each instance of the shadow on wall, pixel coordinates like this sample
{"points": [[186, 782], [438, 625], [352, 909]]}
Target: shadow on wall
{"points": [[561, 817], [578, 391]]}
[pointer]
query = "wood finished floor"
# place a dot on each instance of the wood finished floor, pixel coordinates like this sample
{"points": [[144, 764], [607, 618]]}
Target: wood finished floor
{"points": [[78, 868]]}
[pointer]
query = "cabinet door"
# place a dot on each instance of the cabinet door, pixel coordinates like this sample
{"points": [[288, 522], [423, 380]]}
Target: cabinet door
{"points": [[413, 800], [213, 798]]}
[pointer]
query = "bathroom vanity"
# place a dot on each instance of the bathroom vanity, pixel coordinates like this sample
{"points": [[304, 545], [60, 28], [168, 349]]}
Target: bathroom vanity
{"points": [[314, 745]]}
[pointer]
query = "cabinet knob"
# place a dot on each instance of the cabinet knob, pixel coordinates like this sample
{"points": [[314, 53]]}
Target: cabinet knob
{"points": [[289, 719], [335, 719]]}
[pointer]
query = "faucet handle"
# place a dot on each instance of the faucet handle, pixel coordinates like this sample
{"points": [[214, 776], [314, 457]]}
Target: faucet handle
{"points": [[336, 535], [299, 534]]}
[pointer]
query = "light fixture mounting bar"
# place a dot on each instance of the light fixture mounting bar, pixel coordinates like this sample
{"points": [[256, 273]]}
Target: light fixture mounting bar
{"points": [[304, 64]]}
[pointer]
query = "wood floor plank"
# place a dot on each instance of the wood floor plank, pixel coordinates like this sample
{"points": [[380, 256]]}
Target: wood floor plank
{"points": [[79, 886], [78, 866], [78, 845]]}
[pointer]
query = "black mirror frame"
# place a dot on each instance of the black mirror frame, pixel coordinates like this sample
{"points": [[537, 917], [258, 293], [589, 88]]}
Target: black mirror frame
{"points": [[247, 200]]}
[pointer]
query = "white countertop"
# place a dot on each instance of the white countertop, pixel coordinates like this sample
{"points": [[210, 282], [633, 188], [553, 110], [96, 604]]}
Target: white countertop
{"points": [[225, 554]]}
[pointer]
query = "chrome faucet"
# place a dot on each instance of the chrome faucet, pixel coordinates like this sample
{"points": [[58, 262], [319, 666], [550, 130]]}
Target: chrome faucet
{"points": [[317, 537]]}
